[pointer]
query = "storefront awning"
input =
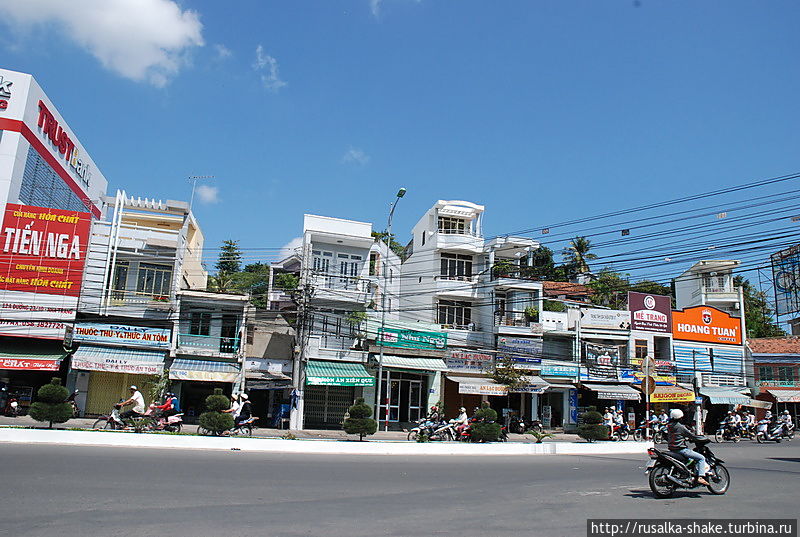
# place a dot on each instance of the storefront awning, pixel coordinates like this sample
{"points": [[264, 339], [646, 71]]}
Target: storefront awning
{"points": [[672, 394], [724, 396], [533, 384], [413, 362], [756, 403], [320, 373], [785, 396], [478, 386], [205, 370], [614, 392], [31, 359], [118, 360]]}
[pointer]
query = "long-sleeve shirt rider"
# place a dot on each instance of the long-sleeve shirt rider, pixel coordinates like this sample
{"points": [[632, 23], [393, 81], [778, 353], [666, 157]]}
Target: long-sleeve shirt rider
{"points": [[677, 436]]}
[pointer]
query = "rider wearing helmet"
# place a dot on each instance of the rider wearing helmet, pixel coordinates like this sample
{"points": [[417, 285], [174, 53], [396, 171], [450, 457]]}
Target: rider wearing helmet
{"points": [[785, 420], [245, 409], [677, 436]]}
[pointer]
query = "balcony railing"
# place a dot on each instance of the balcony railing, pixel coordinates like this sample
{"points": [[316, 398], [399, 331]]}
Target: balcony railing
{"points": [[341, 283], [710, 290], [126, 298], [514, 272], [228, 345], [470, 327]]}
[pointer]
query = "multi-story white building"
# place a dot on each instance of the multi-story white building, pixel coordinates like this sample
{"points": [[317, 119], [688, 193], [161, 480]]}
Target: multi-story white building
{"points": [[710, 283], [341, 280]]}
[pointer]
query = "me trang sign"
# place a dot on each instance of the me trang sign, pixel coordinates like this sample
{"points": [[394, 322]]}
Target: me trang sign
{"points": [[43, 250], [650, 313], [707, 324], [475, 362], [605, 319], [522, 350], [140, 336], [411, 339]]}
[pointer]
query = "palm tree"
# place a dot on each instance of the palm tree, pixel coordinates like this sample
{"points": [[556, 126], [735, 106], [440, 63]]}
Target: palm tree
{"points": [[577, 254], [221, 283]]}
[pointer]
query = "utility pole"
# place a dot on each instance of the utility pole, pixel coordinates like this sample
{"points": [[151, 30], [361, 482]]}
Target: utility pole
{"points": [[302, 298], [384, 292]]}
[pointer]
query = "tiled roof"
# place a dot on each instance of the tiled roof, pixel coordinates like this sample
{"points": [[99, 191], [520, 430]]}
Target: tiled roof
{"points": [[564, 288], [775, 345]]}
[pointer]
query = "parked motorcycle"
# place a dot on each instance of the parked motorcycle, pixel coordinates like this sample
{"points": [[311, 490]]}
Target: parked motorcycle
{"points": [[669, 470], [521, 425]]}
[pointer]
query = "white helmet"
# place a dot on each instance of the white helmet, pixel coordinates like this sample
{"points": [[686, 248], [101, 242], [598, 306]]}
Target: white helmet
{"points": [[244, 397], [675, 414], [786, 412]]}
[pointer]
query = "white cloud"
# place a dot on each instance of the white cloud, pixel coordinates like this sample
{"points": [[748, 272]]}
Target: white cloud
{"points": [[267, 67], [375, 7], [355, 156], [207, 194], [292, 247], [222, 51], [143, 40]]}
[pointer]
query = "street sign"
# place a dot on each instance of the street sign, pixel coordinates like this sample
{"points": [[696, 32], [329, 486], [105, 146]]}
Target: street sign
{"points": [[649, 385], [648, 365]]}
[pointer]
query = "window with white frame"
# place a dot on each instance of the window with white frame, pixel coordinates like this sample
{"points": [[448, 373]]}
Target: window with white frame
{"points": [[455, 313], [453, 226], [456, 267], [322, 261], [154, 280]]}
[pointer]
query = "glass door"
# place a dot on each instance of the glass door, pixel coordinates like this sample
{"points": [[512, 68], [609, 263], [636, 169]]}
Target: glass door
{"points": [[415, 405], [392, 396]]}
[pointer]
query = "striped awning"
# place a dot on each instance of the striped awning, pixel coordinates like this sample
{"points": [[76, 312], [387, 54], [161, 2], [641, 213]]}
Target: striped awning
{"points": [[207, 370], [723, 396], [785, 396], [321, 373], [614, 391], [119, 360], [413, 362], [31, 358]]}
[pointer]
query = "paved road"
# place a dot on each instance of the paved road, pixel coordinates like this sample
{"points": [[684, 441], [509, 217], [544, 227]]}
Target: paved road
{"points": [[54, 490]]}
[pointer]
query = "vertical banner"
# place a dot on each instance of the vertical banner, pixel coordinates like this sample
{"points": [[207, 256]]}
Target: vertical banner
{"points": [[42, 256]]}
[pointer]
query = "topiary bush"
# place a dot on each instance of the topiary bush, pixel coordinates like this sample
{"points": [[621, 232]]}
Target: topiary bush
{"points": [[359, 420], [592, 427], [485, 429], [215, 421], [50, 406]]}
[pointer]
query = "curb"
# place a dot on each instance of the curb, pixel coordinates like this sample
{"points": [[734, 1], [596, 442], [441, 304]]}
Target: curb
{"points": [[307, 446]]}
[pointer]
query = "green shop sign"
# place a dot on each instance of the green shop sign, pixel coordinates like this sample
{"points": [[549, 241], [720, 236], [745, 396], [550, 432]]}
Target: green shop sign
{"points": [[410, 339]]}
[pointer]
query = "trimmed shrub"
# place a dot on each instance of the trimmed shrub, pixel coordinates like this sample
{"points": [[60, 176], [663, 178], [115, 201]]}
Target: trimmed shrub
{"points": [[359, 420], [592, 427], [50, 406], [215, 421], [485, 429]]}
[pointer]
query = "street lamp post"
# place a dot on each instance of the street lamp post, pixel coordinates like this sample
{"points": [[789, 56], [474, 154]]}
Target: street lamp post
{"points": [[400, 194]]}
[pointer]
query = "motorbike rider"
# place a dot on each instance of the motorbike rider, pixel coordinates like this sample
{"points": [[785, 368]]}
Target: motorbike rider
{"points": [[750, 420], [462, 421], [245, 410], [137, 400], [608, 420], [785, 420], [677, 436], [236, 405], [169, 408], [737, 423]]}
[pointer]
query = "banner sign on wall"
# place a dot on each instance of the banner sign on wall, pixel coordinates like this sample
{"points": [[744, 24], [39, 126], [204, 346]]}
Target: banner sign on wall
{"points": [[651, 313], [707, 324], [605, 319], [469, 361], [42, 256], [522, 350], [559, 371], [140, 336], [411, 339], [786, 275], [602, 362]]}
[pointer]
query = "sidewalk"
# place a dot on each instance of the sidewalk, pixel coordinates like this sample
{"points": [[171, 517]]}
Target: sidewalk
{"points": [[315, 434]]}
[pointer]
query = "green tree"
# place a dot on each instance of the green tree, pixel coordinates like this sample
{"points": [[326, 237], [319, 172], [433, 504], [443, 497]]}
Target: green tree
{"points": [[359, 420], [395, 246], [223, 282], [651, 288], [286, 281], [254, 280], [486, 429], [610, 289], [543, 267], [50, 406], [505, 372], [215, 420], [230, 258], [577, 254], [757, 312], [592, 427]]}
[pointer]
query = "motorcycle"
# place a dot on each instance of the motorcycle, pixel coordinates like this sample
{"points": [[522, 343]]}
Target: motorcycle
{"points": [[12, 409], [726, 432], [641, 434], [619, 432], [111, 422], [521, 426], [244, 428], [432, 430], [768, 431], [171, 424], [669, 470], [466, 433]]}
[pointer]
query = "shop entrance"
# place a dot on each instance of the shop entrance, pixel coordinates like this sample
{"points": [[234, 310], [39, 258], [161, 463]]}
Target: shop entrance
{"points": [[325, 406], [404, 396], [106, 389], [551, 409]]}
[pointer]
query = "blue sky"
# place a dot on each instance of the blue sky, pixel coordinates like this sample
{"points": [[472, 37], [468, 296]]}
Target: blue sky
{"points": [[542, 111]]}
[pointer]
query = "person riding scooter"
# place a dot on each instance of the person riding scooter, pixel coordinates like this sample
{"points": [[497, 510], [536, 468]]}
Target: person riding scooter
{"points": [[677, 437]]}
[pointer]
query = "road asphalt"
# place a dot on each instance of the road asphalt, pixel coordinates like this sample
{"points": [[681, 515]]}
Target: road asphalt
{"points": [[67, 490]]}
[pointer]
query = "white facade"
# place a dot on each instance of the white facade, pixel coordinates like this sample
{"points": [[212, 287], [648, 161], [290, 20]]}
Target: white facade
{"points": [[709, 283]]}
